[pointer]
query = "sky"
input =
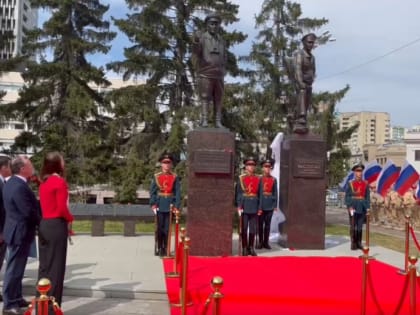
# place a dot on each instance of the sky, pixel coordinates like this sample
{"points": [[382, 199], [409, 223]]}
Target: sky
{"points": [[376, 51]]}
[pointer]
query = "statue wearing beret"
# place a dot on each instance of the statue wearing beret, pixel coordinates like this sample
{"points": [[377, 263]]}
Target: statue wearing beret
{"points": [[209, 58]]}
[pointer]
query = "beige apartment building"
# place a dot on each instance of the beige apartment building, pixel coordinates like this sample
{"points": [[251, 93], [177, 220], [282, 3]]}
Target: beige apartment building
{"points": [[374, 128], [12, 82], [17, 17]]}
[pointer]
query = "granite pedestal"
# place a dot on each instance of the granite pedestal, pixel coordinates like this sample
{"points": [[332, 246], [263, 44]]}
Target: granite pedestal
{"points": [[302, 190], [210, 191]]}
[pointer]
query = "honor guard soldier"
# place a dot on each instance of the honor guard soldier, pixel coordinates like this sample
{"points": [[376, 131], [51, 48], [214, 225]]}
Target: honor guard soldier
{"points": [[165, 196], [358, 203], [247, 201], [267, 203]]}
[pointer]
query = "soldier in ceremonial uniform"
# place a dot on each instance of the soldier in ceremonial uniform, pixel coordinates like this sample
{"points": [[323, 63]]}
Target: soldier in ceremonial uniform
{"points": [[165, 196], [358, 203], [267, 203], [247, 201]]}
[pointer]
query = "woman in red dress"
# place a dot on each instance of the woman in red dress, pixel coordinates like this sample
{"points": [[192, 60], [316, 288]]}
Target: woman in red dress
{"points": [[54, 226]]}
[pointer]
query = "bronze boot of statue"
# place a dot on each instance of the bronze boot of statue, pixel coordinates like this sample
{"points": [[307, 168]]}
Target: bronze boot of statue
{"points": [[218, 121], [204, 113]]}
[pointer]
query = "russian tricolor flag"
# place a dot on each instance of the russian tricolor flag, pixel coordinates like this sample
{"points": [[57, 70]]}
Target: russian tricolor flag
{"points": [[407, 178], [417, 192], [345, 181], [387, 177], [371, 172]]}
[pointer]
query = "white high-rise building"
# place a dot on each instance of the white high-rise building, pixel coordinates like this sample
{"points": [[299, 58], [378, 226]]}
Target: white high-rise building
{"points": [[16, 16]]}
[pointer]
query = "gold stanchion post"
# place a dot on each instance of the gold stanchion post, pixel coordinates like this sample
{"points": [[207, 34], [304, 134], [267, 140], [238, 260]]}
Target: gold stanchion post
{"points": [[407, 245], [175, 273], [168, 250], [413, 283], [217, 283], [184, 289], [367, 229], [44, 285], [365, 259]]}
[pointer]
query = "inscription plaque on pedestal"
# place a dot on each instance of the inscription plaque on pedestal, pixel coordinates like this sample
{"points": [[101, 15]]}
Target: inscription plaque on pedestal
{"points": [[308, 168], [212, 162]]}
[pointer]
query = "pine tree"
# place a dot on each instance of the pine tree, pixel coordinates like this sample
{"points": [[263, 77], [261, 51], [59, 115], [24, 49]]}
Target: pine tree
{"points": [[61, 109], [326, 124], [281, 26], [160, 31]]}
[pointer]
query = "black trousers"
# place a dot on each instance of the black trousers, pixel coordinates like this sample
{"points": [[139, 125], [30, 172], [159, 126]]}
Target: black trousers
{"points": [[163, 229], [264, 224], [52, 236], [249, 224]]}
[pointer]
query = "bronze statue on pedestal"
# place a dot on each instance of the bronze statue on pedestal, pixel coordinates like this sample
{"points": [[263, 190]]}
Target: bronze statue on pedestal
{"points": [[303, 76], [209, 59]]}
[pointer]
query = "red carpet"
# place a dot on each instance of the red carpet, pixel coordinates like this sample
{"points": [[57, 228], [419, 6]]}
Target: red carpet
{"points": [[292, 286]]}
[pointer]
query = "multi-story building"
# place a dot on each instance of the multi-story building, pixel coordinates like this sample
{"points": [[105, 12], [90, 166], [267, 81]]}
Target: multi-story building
{"points": [[17, 17], [397, 134], [374, 128], [412, 140], [11, 82]]}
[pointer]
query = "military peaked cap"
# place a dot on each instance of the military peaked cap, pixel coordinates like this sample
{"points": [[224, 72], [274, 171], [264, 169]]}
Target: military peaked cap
{"points": [[213, 16], [358, 166], [307, 35], [268, 161], [166, 157], [250, 160]]}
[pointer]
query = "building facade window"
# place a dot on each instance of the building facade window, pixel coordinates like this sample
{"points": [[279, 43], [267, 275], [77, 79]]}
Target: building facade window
{"points": [[416, 155]]}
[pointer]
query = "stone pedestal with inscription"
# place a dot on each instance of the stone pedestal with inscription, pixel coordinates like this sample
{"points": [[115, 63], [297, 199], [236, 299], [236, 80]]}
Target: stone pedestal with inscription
{"points": [[302, 190], [210, 191]]}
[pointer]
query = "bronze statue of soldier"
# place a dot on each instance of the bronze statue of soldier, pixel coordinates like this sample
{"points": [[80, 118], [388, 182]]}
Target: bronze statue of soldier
{"points": [[209, 59], [304, 76]]}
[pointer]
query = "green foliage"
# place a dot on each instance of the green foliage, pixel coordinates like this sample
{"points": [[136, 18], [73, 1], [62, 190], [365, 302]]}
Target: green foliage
{"points": [[160, 33], [280, 26], [326, 124], [62, 111]]}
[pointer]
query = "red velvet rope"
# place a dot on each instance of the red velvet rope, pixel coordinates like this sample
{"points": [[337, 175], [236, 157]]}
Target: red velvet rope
{"points": [[404, 292], [413, 235], [206, 305], [372, 291]]}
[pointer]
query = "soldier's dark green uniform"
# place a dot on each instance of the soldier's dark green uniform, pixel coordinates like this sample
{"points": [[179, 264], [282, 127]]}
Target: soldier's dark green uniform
{"points": [[357, 202], [247, 202], [165, 196], [268, 202]]}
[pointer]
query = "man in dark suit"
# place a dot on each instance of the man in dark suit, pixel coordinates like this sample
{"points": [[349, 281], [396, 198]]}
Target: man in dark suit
{"points": [[22, 217], [5, 172]]}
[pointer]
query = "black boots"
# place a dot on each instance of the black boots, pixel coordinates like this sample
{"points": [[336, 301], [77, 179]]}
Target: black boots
{"points": [[266, 244], [248, 247], [251, 250], [359, 239]]}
